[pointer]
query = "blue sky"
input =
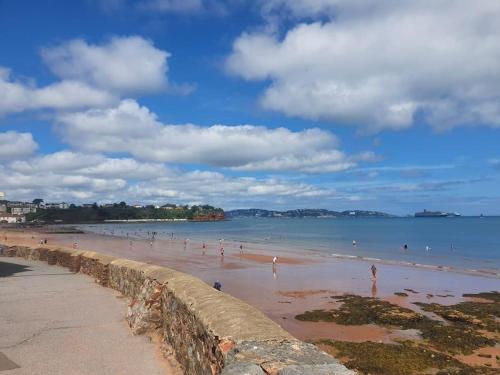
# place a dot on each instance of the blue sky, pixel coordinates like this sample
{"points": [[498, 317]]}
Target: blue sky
{"points": [[280, 104]]}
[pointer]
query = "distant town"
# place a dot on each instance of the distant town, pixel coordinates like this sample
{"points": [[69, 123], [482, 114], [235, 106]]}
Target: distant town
{"points": [[38, 211]]}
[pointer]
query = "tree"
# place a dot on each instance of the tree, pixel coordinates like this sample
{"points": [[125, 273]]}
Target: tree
{"points": [[37, 201]]}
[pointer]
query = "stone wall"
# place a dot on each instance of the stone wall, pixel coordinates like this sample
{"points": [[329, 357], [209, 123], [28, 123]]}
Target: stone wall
{"points": [[209, 331]]}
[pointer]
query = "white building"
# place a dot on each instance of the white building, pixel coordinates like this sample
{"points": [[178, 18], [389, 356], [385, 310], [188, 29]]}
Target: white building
{"points": [[21, 209], [11, 219], [61, 206]]}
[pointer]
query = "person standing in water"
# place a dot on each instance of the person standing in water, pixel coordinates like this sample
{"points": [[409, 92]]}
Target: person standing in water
{"points": [[374, 271], [354, 243], [217, 285], [275, 259], [203, 247]]}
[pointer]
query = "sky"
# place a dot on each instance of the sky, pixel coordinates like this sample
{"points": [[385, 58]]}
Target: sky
{"points": [[280, 104]]}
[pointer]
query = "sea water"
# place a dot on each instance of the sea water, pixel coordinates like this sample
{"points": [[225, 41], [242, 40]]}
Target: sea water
{"points": [[464, 242]]}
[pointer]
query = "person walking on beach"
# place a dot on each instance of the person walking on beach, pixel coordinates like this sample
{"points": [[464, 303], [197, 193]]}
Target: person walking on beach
{"points": [[374, 271], [427, 248], [204, 246], [275, 259], [222, 252], [241, 248]]}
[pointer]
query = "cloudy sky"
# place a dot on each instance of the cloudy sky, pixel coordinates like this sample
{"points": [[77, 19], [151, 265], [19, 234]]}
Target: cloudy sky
{"points": [[338, 104]]}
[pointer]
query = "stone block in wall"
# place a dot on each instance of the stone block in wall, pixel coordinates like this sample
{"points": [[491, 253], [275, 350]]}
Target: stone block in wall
{"points": [[23, 252], [127, 276], [11, 251], [96, 265], [144, 311], [52, 257], [42, 253]]}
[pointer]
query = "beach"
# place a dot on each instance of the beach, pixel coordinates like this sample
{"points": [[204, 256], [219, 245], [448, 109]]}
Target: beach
{"points": [[300, 281]]}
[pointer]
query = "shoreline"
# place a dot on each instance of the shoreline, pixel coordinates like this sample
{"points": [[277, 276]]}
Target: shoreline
{"points": [[310, 255], [296, 284], [455, 263]]}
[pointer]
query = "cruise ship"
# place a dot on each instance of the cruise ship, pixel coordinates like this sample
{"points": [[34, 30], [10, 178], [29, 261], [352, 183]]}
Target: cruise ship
{"points": [[426, 213]]}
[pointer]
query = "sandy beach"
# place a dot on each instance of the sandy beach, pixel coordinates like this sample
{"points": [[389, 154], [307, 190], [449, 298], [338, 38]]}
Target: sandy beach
{"points": [[298, 282]]}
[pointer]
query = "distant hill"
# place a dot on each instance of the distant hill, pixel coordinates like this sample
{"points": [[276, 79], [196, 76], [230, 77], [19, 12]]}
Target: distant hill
{"points": [[306, 212], [122, 211]]}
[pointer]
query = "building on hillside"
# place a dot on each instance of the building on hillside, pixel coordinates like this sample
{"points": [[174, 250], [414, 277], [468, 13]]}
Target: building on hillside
{"points": [[21, 208], [60, 206], [3, 207], [12, 219], [169, 206]]}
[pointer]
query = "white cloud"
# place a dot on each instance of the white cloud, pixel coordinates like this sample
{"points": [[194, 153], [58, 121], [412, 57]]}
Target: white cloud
{"points": [[14, 145], [207, 186], [68, 176], [130, 128], [378, 64], [92, 76], [173, 6], [187, 7], [94, 165], [17, 96], [124, 65]]}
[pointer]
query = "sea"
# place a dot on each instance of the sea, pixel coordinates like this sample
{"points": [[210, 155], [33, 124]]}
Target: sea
{"points": [[467, 243]]}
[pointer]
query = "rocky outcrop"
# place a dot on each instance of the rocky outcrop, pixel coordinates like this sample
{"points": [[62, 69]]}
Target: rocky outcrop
{"points": [[209, 331]]}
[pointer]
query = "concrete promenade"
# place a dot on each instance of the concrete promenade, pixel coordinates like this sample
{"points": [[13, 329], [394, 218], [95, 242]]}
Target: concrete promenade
{"points": [[56, 322]]}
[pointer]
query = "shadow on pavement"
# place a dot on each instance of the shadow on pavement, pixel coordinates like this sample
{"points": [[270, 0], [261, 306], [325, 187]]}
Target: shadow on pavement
{"points": [[9, 269]]}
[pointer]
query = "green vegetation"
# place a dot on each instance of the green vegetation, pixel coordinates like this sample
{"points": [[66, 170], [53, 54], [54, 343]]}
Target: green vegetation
{"points": [[121, 211], [396, 359]]}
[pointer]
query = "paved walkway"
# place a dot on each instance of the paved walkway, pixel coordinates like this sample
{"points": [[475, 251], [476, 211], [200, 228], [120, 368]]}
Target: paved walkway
{"points": [[55, 322]]}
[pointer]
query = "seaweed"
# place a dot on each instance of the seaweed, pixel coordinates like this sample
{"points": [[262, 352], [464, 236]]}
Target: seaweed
{"points": [[454, 339], [477, 314], [411, 291], [492, 296], [401, 294], [316, 316], [357, 310], [458, 337], [390, 359], [396, 359]]}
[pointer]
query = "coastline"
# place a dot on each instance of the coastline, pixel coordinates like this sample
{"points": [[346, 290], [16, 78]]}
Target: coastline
{"points": [[299, 282]]}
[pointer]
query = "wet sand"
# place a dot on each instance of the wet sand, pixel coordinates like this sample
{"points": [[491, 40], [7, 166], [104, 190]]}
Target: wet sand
{"points": [[299, 282]]}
